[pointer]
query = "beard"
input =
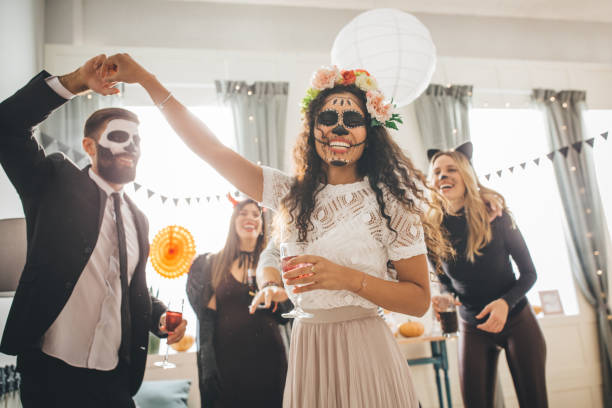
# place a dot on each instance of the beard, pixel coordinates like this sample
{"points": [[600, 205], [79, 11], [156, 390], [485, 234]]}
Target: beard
{"points": [[110, 170]]}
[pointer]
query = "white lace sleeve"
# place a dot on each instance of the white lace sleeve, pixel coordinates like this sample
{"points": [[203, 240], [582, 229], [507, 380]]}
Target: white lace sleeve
{"points": [[269, 257], [410, 239], [276, 186]]}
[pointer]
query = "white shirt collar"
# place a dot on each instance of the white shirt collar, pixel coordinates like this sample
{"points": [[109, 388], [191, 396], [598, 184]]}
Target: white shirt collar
{"points": [[103, 184]]}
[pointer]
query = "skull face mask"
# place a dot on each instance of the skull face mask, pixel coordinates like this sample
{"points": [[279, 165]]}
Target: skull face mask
{"points": [[118, 151], [340, 131]]}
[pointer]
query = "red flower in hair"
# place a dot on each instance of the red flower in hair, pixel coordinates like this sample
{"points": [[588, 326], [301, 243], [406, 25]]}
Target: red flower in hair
{"points": [[348, 77]]}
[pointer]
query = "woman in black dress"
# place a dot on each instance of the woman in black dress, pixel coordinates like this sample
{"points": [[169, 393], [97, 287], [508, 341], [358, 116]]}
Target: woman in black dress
{"points": [[494, 312], [241, 357]]}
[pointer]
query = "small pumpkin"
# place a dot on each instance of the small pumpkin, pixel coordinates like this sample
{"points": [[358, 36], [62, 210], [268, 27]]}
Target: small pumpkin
{"points": [[184, 344], [411, 329]]}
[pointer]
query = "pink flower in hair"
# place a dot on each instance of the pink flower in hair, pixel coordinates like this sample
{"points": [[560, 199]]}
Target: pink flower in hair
{"points": [[377, 107], [325, 77]]}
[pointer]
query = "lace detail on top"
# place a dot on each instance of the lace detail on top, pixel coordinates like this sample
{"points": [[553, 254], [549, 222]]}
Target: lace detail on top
{"points": [[349, 230]]}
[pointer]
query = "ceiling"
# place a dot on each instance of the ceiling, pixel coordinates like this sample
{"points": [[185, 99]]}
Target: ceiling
{"points": [[573, 10]]}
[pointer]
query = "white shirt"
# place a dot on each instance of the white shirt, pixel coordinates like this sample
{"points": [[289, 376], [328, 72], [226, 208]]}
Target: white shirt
{"points": [[87, 332], [349, 230]]}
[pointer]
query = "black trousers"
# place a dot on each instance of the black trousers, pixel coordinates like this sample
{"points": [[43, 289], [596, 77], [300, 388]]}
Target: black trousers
{"points": [[49, 382], [525, 348]]}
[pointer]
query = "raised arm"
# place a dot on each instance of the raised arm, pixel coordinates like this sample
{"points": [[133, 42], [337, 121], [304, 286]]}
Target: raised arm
{"points": [[243, 174], [21, 156]]}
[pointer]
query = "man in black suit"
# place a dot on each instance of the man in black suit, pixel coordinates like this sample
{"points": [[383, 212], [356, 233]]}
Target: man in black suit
{"points": [[81, 315]]}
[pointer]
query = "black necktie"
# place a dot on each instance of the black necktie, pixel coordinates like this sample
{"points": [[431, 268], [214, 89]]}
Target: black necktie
{"points": [[126, 326]]}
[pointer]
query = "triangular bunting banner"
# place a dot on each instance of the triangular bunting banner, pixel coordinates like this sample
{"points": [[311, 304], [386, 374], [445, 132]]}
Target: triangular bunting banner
{"points": [[188, 199], [198, 200], [564, 151], [511, 168], [551, 155], [208, 199], [590, 141], [499, 173], [175, 201], [605, 135], [137, 186], [163, 198], [577, 146], [218, 198], [488, 176], [523, 165], [537, 161], [150, 193]]}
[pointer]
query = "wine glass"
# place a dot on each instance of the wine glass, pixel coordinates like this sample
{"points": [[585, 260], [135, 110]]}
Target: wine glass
{"points": [[173, 319], [288, 251]]}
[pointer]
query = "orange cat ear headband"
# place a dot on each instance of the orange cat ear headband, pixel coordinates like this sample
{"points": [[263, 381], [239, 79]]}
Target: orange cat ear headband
{"points": [[232, 199], [235, 202]]}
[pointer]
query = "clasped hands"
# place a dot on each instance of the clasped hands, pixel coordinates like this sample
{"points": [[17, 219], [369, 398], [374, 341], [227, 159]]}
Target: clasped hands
{"points": [[101, 74]]}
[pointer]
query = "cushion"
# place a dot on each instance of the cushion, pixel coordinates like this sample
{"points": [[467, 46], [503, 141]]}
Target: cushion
{"points": [[163, 394]]}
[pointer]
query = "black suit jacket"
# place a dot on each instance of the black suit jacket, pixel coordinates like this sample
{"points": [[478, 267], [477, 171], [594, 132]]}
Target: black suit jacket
{"points": [[63, 208]]}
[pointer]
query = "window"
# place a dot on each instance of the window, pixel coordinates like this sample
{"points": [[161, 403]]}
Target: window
{"points": [[507, 137], [168, 167], [598, 122]]}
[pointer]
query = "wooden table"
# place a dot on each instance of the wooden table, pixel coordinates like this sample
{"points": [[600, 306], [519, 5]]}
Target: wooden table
{"points": [[438, 358]]}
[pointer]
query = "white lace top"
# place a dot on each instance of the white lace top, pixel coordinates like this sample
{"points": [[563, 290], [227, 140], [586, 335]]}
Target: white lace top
{"points": [[349, 230]]}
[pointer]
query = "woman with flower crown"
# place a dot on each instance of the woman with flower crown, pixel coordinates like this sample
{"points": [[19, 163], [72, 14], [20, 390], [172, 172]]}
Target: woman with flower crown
{"points": [[357, 201]]}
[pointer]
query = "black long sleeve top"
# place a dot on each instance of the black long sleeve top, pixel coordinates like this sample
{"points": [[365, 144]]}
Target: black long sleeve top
{"points": [[491, 275]]}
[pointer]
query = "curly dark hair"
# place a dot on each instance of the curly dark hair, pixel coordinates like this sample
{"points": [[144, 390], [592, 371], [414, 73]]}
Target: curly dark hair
{"points": [[382, 161]]}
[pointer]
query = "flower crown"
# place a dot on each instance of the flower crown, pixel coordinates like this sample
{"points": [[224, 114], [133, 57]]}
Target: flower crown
{"points": [[328, 77]]}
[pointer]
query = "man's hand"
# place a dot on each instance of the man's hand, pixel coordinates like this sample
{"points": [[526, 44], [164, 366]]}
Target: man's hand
{"points": [[123, 68], [177, 334], [89, 77]]}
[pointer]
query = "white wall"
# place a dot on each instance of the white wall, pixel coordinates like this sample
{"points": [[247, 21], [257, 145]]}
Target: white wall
{"points": [[21, 42], [194, 24]]}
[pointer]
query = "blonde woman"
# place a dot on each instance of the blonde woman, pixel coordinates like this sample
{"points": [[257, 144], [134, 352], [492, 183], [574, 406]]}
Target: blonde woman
{"points": [[494, 312]]}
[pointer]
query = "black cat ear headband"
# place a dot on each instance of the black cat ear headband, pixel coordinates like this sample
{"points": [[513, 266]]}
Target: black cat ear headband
{"points": [[466, 149]]}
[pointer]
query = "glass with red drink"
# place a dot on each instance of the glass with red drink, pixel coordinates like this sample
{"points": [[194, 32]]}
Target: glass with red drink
{"points": [[288, 251], [173, 319]]}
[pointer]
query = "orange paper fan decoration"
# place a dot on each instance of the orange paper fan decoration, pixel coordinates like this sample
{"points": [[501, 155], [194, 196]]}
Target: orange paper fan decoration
{"points": [[172, 251]]}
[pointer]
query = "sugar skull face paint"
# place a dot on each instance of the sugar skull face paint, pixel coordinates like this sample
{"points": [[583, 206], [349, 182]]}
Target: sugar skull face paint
{"points": [[118, 151], [121, 136], [340, 130]]}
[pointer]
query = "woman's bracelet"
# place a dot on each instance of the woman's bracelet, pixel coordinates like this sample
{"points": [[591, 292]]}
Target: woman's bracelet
{"points": [[271, 283], [162, 103], [363, 283]]}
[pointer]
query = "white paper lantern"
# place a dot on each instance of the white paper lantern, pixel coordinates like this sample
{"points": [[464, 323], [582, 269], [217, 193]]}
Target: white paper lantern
{"points": [[393, 46]]}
